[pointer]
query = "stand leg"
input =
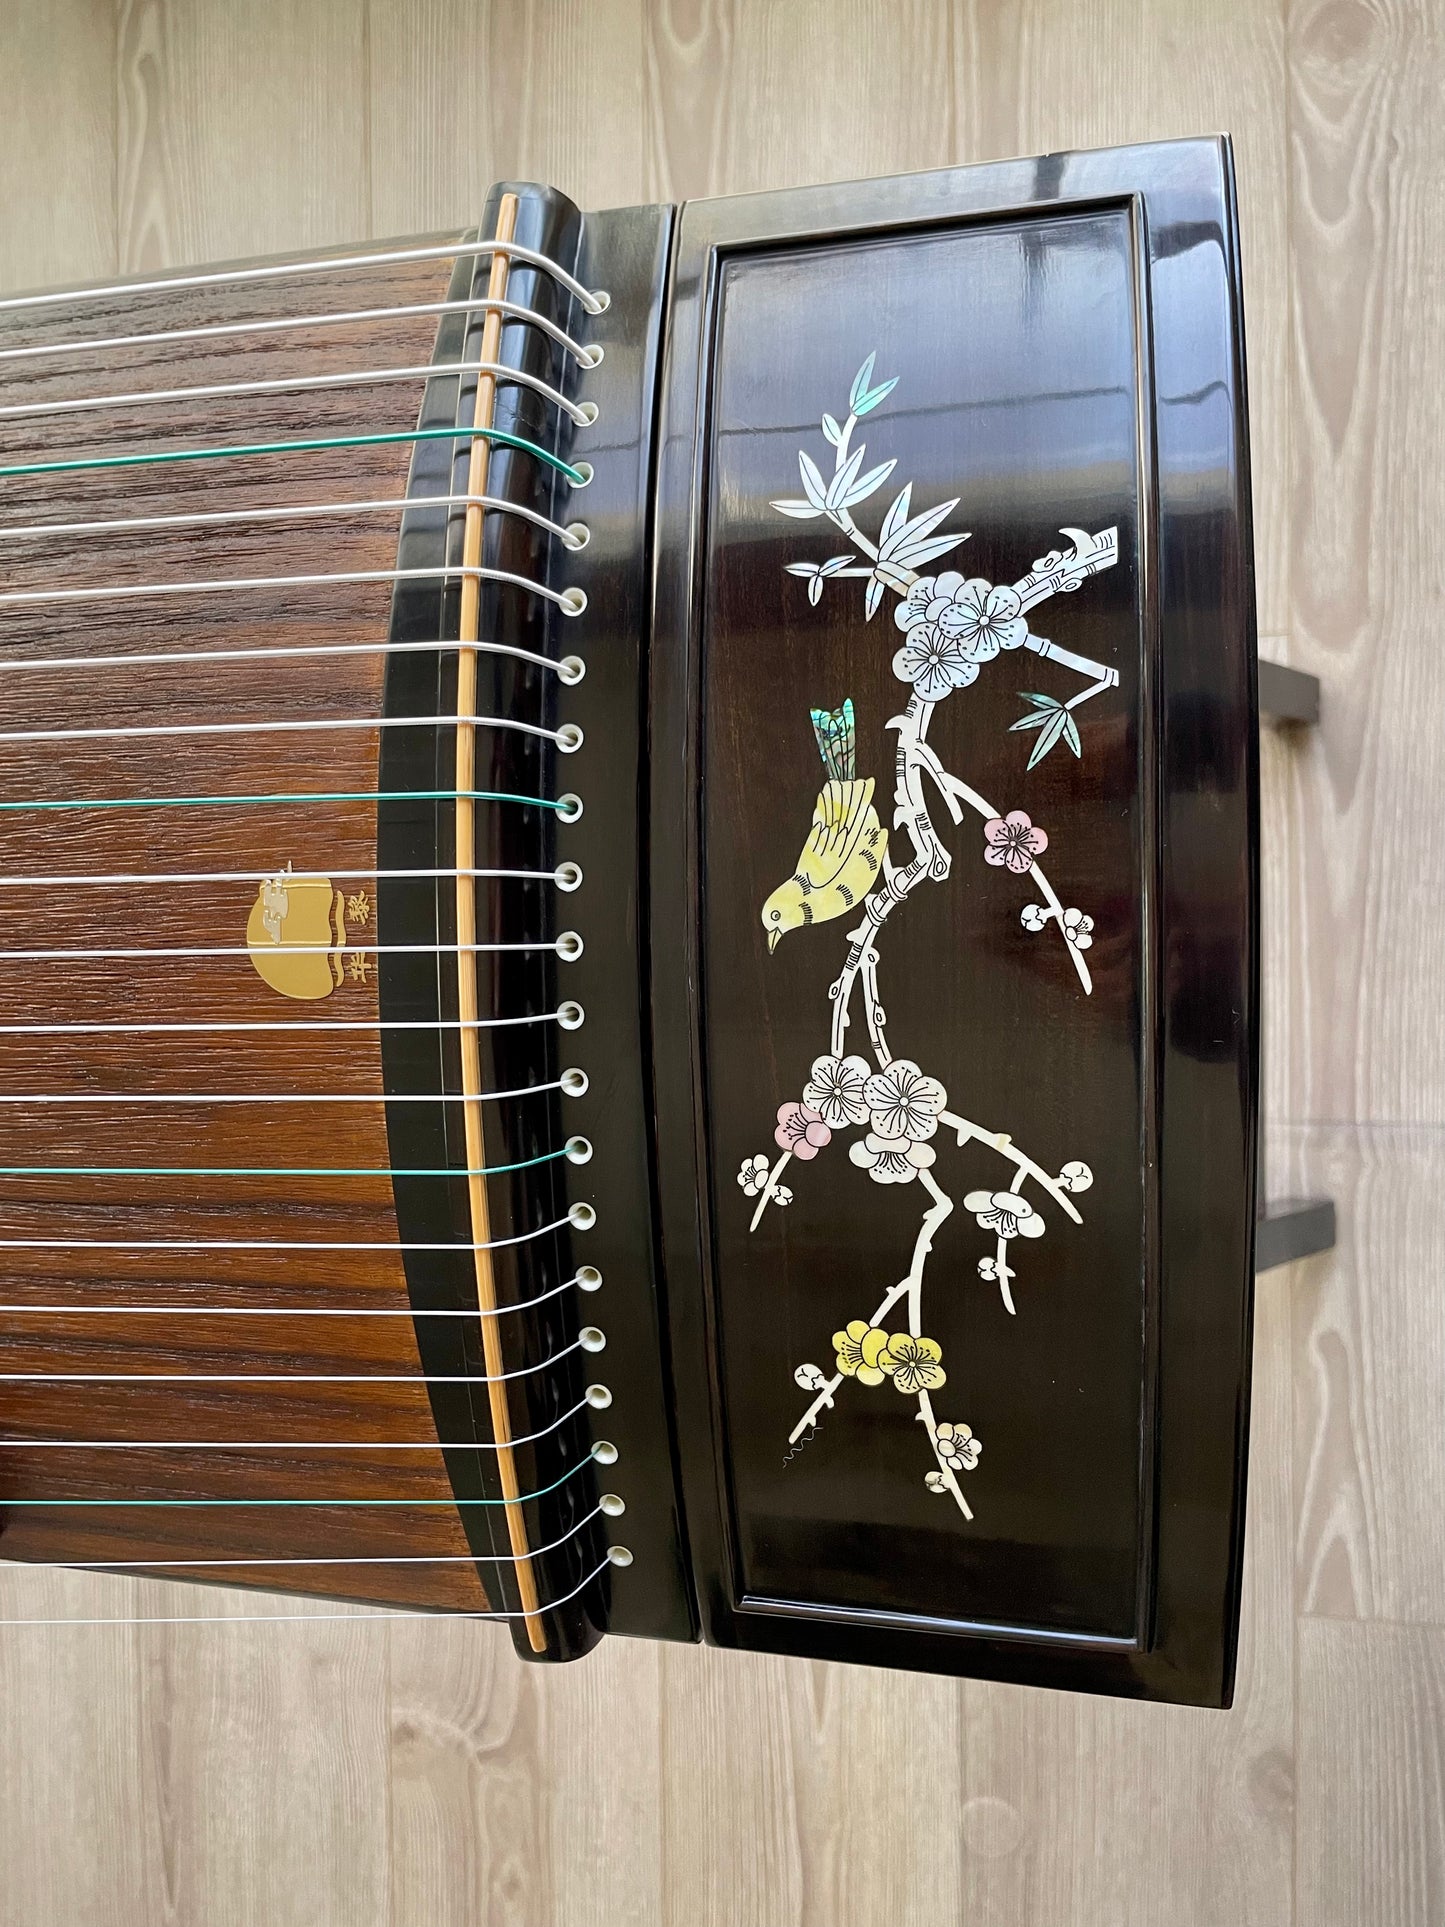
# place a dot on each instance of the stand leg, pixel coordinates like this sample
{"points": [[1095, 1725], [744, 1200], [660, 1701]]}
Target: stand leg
{"points": [[1289, 1228]]}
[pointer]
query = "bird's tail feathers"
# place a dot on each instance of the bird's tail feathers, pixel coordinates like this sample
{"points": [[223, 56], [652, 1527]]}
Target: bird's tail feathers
{"points": [[837, 741]]}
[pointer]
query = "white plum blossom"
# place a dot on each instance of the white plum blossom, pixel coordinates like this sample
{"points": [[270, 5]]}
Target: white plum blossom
{"points": [[1076, 1176], [957, 1447], [754, 1174], [835, 1090], [1078, 929], [781, 1194], [1034, 916], [935, 664], [904, 1102], [953, 626], [1005, 1213], [891, 1160]]}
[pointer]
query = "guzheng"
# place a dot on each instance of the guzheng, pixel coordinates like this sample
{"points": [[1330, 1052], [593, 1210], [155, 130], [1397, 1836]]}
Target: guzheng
{"points": [[628, 859]]}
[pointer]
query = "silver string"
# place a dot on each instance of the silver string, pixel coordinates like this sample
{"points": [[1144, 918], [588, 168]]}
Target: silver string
{"points": [[283, 1097], [281, 1023], [280, 950], [570, 601], [270, 1244], [568, 668], [226, 518], [616, 1555], [286, 1445], [93, 345], [350, 1559], [111, 731], [278, 270], [582, 413], [95, 879], [290, 1378], [304, 1311]]}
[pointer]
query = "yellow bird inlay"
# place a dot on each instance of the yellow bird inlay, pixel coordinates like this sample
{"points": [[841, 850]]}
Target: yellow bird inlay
{"points": [[846, 847]]}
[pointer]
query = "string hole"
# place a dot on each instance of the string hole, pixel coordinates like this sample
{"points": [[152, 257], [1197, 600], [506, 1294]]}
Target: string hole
{"points": [[599, 301], [578, 1150], [574, 1083], [569, 807], [589, 1278], [569, 739], [570, 1015], [574, 601], [605, 1452], [576, 535], [591, 356], [587, 413], [592, 1338], [598, 1397], [582, 1217], [571, 669], [619, 1555], [582, 473], [567, 876], [569, 946], [612, 1505]]}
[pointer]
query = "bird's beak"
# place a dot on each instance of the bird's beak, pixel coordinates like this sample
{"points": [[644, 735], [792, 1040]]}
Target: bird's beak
{"points": [[774, 937]]}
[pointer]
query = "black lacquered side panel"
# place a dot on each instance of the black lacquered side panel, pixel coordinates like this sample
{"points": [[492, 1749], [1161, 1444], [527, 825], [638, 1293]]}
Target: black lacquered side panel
{"points": [[1168, 784], [1017, 363]]}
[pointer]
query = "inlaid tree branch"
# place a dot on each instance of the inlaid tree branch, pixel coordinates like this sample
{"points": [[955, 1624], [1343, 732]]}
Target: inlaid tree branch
{"points": [[952, 626]]}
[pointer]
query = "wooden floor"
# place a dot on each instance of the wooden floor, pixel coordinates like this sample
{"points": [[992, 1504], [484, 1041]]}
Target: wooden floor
{"points": [[353, 1772]]}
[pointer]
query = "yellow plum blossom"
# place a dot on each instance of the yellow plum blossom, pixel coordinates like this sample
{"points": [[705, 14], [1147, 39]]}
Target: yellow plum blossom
{"points": [[912, 1363], [859, 1348]]}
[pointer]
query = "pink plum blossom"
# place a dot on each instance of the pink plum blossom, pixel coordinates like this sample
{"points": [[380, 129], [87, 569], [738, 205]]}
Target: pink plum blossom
{"points": [[1013, 842], [801, 1130]]}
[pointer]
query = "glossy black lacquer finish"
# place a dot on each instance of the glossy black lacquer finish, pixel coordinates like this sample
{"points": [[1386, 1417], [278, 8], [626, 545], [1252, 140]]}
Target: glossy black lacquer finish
{"points": [[1067, 336], [625, 253], [513, 984]]}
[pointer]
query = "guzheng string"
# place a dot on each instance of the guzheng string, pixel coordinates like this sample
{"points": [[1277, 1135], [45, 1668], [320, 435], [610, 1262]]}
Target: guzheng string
{"points": [[569, 1015], [590, 1339], [479, 434], [597, 1397], [567, 669], [592, 301], [92, 345], [274, 1505], [578, 474], [268, 797], [574, 536], [585, 1278], [582, 413], [374, 1615], [570, 601]]}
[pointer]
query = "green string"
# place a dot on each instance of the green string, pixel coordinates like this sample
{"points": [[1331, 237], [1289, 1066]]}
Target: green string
{"points": [[185, 1504], [574, 475], [304, 796], [268, 1171]]}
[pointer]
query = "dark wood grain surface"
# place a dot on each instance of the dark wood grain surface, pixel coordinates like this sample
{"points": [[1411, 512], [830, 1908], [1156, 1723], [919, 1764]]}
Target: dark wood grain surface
{"points": [[323, 838]]}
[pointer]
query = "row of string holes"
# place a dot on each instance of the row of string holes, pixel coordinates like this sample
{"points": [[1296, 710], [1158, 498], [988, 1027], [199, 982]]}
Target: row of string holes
{"points": [[571, 670]]}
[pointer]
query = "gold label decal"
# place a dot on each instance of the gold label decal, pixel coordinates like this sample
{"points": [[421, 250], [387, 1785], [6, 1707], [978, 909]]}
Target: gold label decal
{"points": [[296, 935]]}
